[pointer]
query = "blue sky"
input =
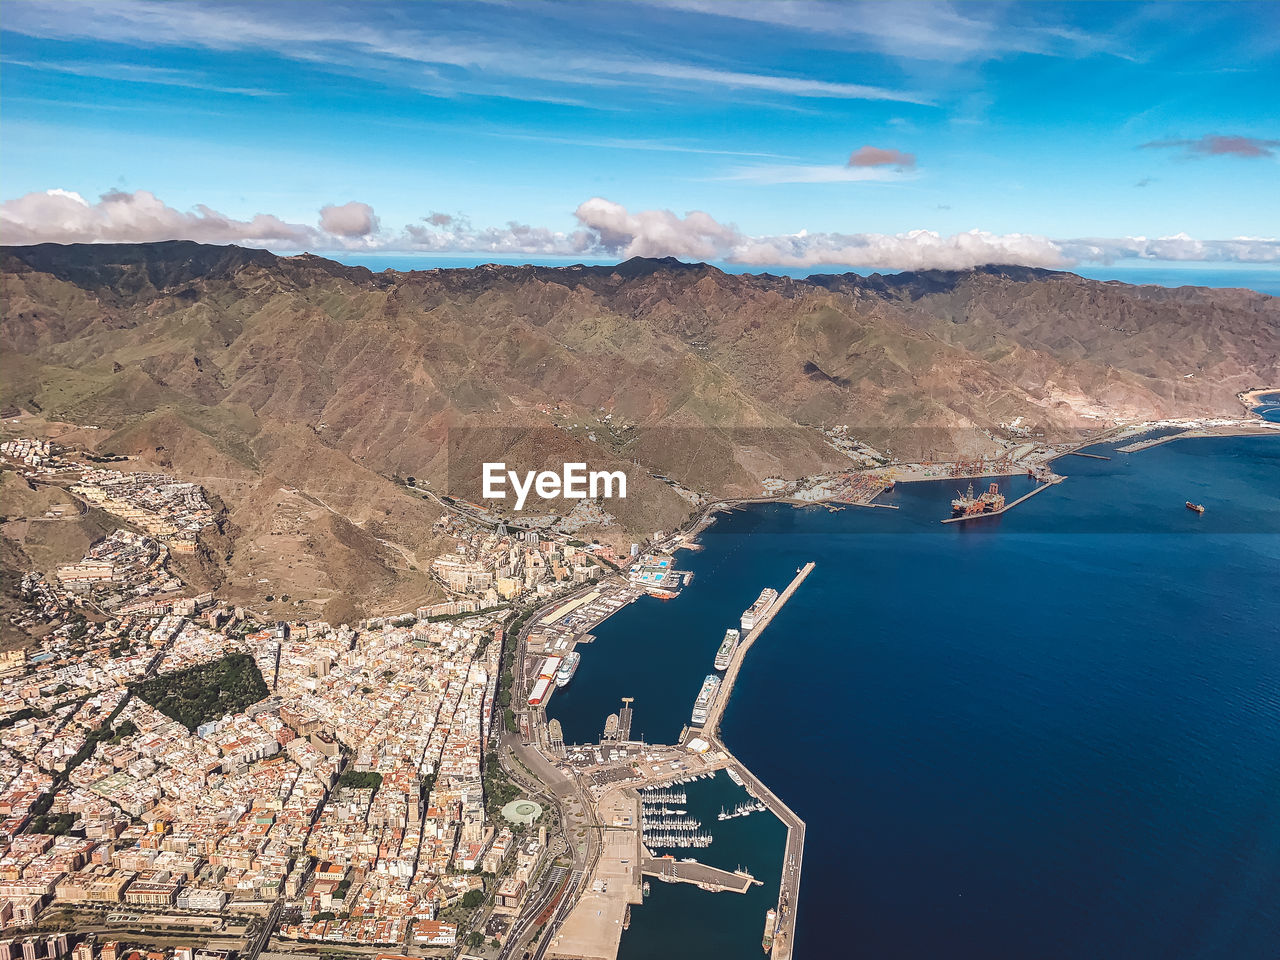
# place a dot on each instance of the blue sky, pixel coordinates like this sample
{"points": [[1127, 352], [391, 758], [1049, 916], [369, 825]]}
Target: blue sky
{"points": [[1043, 133]]}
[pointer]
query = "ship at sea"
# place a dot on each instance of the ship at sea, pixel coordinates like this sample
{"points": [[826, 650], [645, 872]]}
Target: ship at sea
{"points": [[1197, 507], [565, 673], [967, 505], [706, 695], [725, 654], [753, 614], [770, 923]]}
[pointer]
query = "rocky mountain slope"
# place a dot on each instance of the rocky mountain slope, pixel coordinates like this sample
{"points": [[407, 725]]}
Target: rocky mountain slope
{"points": [[260, 375]]}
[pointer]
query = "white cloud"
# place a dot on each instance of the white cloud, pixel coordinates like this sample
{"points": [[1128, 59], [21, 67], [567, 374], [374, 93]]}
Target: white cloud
{"points": [[137, 73], [354, 219], [60, 216], [1178, 247], [655, 233], [930, 31], [914, 250], [605, 230]]}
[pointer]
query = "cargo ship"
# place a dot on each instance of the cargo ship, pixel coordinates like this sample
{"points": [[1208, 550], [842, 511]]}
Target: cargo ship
{"points": [[967, 505], [770, 924], [725, 654], [567, 668], [702, 705], [1197, 507], [754, 613]]}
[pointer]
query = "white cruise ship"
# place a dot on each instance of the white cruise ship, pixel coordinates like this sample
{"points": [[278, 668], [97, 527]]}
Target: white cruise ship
{"points": [[754, 613], [706, 695], [568, 667], [724, 656]]}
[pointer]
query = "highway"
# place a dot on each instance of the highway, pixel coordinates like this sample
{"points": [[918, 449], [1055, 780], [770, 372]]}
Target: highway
{"points": [[264, 935], [577, 813]]}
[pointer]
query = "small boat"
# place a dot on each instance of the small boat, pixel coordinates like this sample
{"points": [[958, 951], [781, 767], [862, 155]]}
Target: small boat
{"points": [[1197, 507]]}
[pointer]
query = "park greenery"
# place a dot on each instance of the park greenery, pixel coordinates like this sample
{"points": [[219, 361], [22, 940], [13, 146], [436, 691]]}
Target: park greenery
{"points": [[205, 692], [498, 789], [360, 780]]}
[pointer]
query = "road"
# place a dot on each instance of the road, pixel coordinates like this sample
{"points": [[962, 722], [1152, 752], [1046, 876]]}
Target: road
{"points": [[533, 907], [562, 911], [264, 935], [577, 814]]}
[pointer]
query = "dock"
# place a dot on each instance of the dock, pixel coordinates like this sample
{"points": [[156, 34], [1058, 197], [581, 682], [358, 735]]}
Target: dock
{"points": [[670, 870], [792, 860], [793, 855], [1152, 442], [1005, 509], [1091, 456], [726, 686]]}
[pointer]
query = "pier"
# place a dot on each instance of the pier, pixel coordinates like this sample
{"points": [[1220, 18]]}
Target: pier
{"points": [[712, 726], [1091, 456], [1006, 508], [671, 870], [792, 859], [1151, 442], [793, 855]]}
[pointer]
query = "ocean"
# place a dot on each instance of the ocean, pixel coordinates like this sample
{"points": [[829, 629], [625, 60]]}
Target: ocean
{"points": [[1053, 734], [1263, 279]]}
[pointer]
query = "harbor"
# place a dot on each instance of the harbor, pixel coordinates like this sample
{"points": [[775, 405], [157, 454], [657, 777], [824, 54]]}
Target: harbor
{"points": [[789, 888], [661, 652], [711, 725], [643, 793]]}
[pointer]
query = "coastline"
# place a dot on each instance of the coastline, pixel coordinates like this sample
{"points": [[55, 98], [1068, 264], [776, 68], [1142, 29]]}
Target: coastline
{"points": [[697, 750], [1250, 398], [720, 756]]}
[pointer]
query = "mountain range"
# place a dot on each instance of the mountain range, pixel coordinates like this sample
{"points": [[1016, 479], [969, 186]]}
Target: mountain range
{"points": [[302, 392]]}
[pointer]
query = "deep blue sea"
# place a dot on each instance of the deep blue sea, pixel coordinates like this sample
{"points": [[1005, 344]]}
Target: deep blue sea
{"points": [[1261, 279], [1053, 735]]}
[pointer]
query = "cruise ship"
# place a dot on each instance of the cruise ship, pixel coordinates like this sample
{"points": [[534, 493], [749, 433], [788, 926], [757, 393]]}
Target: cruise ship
{"points": [[725, 654], [754, 613], [702, 705], [565, 673]]}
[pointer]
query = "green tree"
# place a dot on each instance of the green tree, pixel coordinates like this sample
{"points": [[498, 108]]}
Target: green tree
{"points": [[472, 899]]}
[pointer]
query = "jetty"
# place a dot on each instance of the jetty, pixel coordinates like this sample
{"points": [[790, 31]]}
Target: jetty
{"points": [[1152, 442], [1007, 507], [793, 855], [1091, 456], [716, 710], [670, 870]]}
